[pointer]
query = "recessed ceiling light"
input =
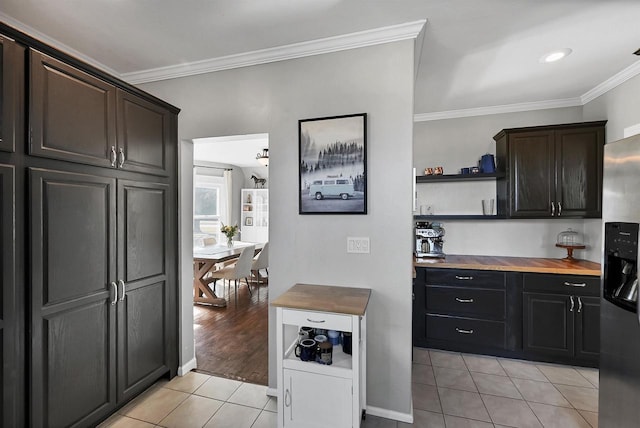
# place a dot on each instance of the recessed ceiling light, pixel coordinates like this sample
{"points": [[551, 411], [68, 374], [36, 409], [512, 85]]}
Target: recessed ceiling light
{"points": [[556, 55]]}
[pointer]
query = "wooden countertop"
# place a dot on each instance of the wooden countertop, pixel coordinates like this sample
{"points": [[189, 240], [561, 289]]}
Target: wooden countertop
{"points": [[513, 264], [325, 298]]}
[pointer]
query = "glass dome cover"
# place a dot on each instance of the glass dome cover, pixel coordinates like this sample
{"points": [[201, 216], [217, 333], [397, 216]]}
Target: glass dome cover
{"points": [[570, 237]]}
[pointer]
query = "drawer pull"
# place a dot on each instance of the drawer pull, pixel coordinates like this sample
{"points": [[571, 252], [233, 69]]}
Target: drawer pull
{"points": [[461, 331], [575, 284], [315, 321], [464, 300], [464, 278]]}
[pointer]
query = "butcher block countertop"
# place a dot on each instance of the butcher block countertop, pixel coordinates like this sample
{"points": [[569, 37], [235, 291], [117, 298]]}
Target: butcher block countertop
{"points": [[513, 264], [325, 298]]}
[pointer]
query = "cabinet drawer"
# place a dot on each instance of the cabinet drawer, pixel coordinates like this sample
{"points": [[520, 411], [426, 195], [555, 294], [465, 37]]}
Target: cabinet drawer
{"points": [[466, 330], [562, 284], [324, 320], [466, 301], [466, 278]]}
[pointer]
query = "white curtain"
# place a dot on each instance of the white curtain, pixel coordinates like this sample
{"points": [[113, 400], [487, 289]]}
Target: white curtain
{"points": [[228, 185]]}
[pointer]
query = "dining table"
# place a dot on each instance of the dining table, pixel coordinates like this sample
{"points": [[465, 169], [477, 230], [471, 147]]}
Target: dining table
{"points": [[204, 260]]}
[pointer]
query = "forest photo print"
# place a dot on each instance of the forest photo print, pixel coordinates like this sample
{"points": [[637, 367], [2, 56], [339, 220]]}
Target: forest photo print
{"points": [[333, 165]]}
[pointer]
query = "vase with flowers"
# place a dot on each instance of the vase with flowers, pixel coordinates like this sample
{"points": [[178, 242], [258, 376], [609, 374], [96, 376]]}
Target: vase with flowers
{"points": [[229, 232]]}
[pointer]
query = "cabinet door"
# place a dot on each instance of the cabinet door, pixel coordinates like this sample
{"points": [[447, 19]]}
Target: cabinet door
{"points": [[11, 350], [143, 312], [548, 324], [72, 114], [11, 93], [588, 328], [144, 135], [73, 266], [579, 171], [316, 401], [531, 180]]}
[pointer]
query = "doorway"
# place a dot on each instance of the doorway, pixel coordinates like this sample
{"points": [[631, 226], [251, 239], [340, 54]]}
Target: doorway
{"points": [[232, 341]]}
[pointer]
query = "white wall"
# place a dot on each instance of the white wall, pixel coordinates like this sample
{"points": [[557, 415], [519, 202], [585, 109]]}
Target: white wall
{"points": [[457, 143], [312, 248]]}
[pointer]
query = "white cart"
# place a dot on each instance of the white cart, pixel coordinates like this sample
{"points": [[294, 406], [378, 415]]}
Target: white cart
{"points": [[311, 394]]}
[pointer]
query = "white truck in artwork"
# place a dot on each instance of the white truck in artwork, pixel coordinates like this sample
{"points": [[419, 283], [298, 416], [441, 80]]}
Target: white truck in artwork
{"points": [[332, 188]]}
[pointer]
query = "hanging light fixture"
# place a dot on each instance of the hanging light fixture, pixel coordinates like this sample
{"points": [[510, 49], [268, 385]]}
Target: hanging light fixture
{"points": [[263, 157]]}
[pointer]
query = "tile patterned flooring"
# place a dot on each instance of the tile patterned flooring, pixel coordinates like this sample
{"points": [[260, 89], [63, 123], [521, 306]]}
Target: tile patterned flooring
{"points": [[450, 390]]}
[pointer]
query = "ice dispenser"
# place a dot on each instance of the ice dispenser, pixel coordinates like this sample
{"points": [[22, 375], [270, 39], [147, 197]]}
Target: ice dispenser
{"points": [[620, 285]]}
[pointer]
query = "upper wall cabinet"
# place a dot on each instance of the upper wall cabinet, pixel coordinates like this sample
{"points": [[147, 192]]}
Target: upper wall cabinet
{"points": [[144, 131], [80, 118], [551, 171], [11, 93], [71, 114]]}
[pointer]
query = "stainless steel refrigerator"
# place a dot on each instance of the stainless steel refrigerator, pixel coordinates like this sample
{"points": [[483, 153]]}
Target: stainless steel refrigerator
{"points": [[619, 405]]}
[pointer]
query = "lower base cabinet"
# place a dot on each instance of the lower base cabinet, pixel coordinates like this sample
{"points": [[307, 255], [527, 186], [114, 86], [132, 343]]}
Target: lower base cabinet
{"points": [[317, 401], [542, 317]]}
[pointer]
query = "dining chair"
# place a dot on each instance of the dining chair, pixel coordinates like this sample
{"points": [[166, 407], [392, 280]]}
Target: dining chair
{"points": [[261, 261], [236, 272]]}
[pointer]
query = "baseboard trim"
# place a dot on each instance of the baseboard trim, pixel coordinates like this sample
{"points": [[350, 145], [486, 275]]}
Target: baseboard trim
{"points": [[272, 392], [190, 365], [391, 414]]}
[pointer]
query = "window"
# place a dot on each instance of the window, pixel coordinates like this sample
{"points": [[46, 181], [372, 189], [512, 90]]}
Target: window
{"points": [[209, 209]]}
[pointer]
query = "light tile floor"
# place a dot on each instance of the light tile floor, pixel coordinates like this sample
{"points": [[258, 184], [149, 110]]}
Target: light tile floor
{"points": [[450, 390]]}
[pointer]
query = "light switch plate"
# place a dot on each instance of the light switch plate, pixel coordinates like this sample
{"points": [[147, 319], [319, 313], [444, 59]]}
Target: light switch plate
{"points": [[358, 245]]}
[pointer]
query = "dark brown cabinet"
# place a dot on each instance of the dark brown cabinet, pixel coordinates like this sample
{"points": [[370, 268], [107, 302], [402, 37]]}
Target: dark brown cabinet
{"points": [[11, 93], [144, 133], [562, 317], [77, 117], [72, 114], [102, 303], [12, 340], [88, 224], [551, 171], [461, 309]]}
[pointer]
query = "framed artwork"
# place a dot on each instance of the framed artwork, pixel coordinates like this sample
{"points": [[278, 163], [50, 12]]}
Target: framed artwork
{"points": [[248, 221], [333, 165]]}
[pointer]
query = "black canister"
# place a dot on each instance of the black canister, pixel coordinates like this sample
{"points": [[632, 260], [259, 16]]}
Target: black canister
{"points": [[346, 342]]}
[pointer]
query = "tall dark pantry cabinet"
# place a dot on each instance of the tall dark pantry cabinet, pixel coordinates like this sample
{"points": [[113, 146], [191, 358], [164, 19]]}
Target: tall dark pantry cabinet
{"points": [[88, 186]]}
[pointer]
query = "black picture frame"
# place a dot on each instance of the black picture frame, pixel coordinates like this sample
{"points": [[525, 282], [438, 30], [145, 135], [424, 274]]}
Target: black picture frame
{"points": [[332, 165]]}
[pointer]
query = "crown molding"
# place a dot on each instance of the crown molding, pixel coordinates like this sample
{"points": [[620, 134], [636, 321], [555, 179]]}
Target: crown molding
{"points": [[632, 71], [20, 26], [359, 39], [507, 108]]}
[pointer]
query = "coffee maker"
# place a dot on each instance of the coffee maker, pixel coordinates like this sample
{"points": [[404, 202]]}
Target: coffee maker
{"points": [[429, 239]]}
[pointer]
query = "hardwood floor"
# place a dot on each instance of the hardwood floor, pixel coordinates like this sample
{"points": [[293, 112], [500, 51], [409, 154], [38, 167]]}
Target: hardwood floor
{"points": [[233, 342]]}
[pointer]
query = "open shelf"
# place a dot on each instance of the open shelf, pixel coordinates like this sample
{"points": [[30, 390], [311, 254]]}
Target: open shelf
{"points": [[341, 363], [458, 177], [458, 217]]}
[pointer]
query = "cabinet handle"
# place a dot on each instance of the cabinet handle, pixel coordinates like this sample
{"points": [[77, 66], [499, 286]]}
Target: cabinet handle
{"points": [[121, 156], [124, 291], [113, 156], [464, 300], [315, 321], [464, 278], [559, 209], [579, 304], [575, 284], [572, 304], [115, 294], [287, 398], [461, 331], [553, 209]]}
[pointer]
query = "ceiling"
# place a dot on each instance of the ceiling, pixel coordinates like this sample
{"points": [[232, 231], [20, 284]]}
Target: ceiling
{"points": [[475, 53]]}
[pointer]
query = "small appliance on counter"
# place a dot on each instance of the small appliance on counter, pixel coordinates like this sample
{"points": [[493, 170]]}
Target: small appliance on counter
{"points": [[429, 239]]}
